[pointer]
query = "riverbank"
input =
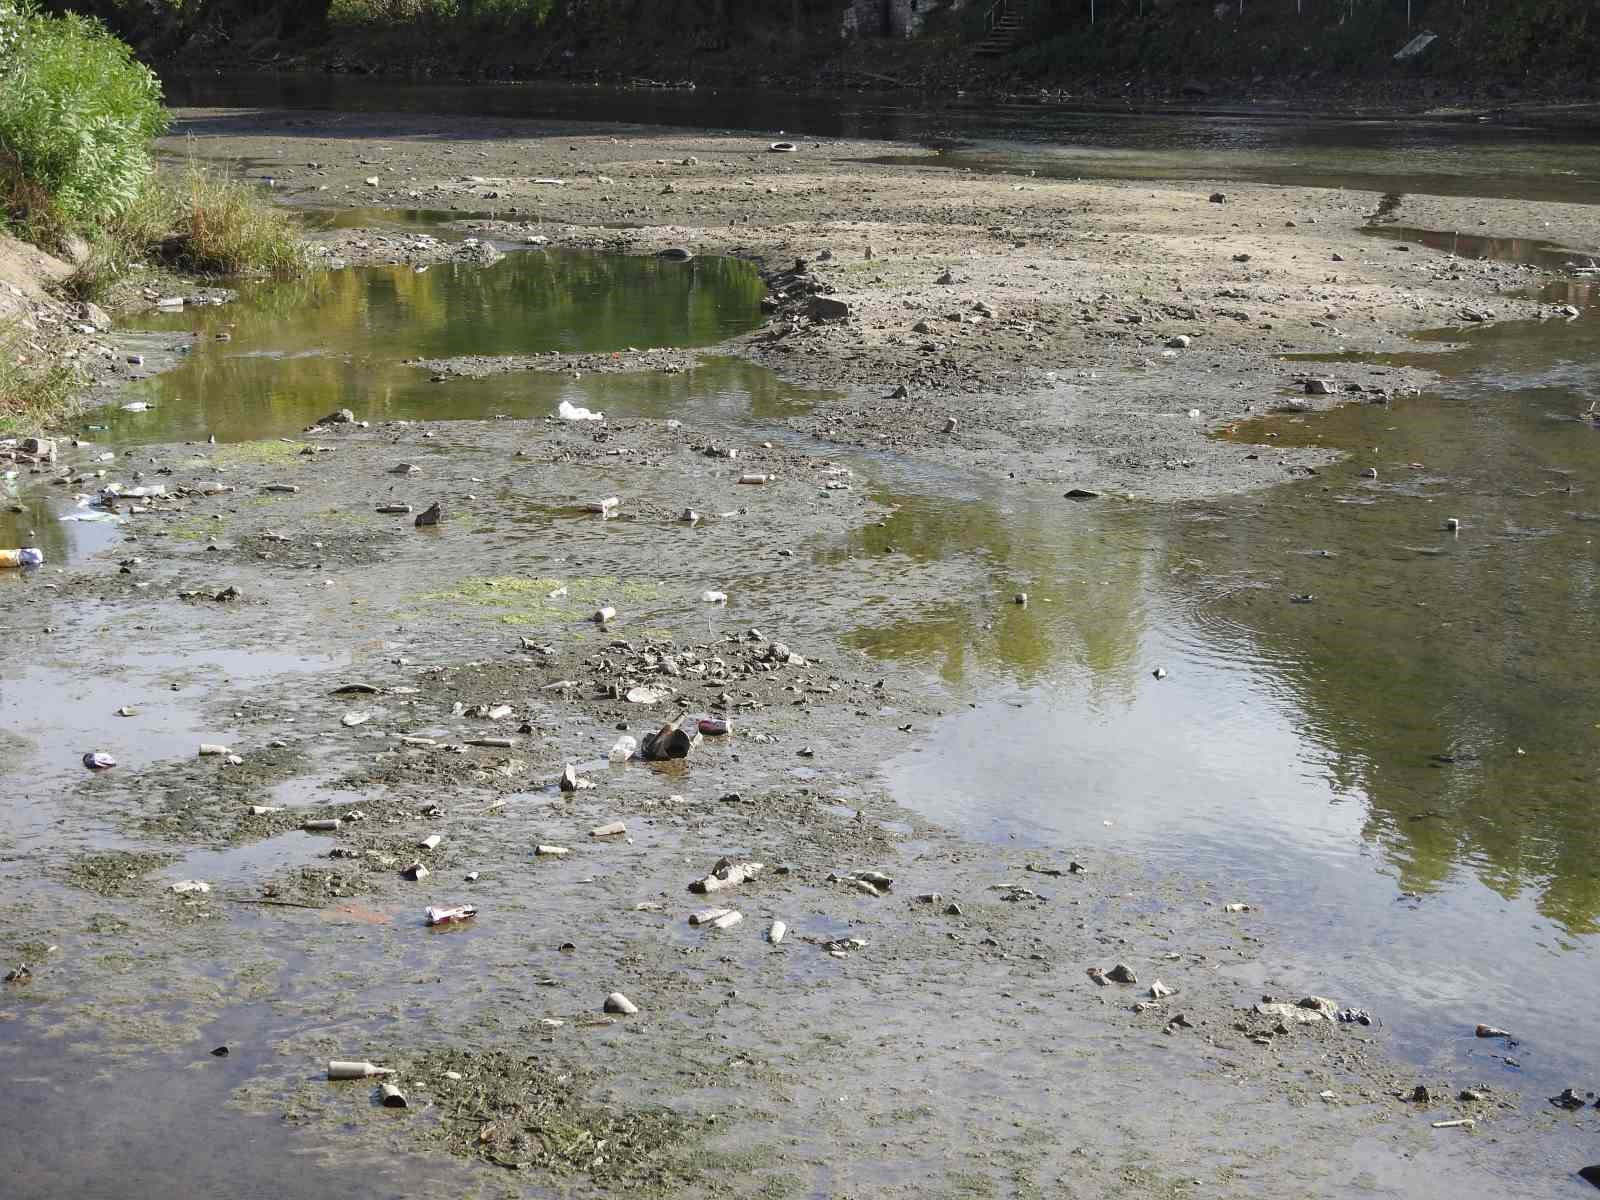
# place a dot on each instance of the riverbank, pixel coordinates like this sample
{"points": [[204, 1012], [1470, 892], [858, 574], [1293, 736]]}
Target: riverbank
{"points": [[950, 1028]]}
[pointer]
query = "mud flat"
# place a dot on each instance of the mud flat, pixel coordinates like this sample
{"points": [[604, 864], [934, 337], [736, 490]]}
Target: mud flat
{"points": [[939, 1016]]}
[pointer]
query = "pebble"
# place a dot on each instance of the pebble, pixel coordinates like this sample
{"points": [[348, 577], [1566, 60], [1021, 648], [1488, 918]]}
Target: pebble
{"points": [[1122, 973]]}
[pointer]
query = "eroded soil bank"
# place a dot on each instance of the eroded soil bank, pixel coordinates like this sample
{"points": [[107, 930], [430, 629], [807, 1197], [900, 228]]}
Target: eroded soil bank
{"points": [[951, 1033]]}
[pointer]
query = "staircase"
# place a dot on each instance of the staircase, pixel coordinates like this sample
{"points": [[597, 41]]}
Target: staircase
{"points": [[1005, 30]]}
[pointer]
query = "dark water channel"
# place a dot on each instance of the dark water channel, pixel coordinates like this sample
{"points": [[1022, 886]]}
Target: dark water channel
{"points": [[1416, 154]]}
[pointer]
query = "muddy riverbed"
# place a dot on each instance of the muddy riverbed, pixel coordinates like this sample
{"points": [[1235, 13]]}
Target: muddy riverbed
{"points": [[1267, 728]]}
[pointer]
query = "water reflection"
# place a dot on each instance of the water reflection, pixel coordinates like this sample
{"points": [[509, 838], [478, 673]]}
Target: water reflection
{"points": [[1429, 715], [340, 339]]}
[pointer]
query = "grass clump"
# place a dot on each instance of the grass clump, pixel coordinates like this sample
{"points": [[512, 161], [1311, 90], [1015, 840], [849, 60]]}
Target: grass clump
{"points": [[32, 388], [222, 227], [199, 221], [77, 115]]}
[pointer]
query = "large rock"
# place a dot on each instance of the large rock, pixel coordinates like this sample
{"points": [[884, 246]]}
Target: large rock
{"points": [[827, 308]]}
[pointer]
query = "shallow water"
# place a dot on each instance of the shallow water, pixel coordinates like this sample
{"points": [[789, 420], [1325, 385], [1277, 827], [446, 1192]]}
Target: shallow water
{"points": [[1397, 769], [1400, 771], [1416, 154]]}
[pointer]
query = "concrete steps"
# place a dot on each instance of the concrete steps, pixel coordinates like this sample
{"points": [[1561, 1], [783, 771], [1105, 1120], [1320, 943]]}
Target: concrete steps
{"points": [[1006, 33]]}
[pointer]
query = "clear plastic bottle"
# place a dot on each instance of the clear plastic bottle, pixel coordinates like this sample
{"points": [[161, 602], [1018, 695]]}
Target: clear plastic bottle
{"points": [[624, 749], [28, 556]]}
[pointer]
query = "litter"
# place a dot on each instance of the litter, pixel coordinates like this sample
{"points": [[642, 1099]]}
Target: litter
{"points": [[28, 556], [344, 1069], [568, 411], [450, 916]]}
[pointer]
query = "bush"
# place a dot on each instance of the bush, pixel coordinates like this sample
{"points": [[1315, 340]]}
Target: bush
{"points": [[77, 114]]}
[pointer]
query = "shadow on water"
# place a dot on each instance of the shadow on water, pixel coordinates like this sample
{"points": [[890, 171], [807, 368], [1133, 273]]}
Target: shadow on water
{"points": [[1405, 155]]}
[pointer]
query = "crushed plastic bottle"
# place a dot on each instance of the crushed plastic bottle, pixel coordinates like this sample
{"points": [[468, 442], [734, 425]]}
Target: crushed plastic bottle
{"points": [[28, 556], [624, 749], [569, 411]]}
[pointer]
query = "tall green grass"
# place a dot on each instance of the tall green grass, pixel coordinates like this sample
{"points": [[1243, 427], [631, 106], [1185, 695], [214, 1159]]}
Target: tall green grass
{"points": [[198, 220], [77, 115]]}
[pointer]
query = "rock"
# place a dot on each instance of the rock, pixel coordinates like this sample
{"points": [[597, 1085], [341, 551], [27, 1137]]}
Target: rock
{"points": [[1590, 1175], [1078, 493], [951, 425], [947, 278], [431, 515], [1319, 387], [1569, 1100], [726, 875], [1194, 88], [1421, 1095], [953, 910], [776, 932], [1369, 472], [1472, 1095], [616, 1002], [415, 872], [96, 316], [826, 308], [1235, 908], [1020, 599], [343, 417], [676, 254], [1182, 342], [44, 448], [1219, 198], [1122, 973], [372, 181], [901, 392], [1319, 1004], [984, 309], [405, 469], [569, 778], [1289, 1012], [1159, 673], [1159, 990]]}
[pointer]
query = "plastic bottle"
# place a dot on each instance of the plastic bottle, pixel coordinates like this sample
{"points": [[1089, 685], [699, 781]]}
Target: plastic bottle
{"points": [[28, 556], [338, 1069], [624, 749]]}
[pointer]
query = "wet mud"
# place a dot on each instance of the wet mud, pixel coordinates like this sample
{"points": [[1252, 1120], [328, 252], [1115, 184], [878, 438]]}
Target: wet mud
{"points": [[900, 608]]}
